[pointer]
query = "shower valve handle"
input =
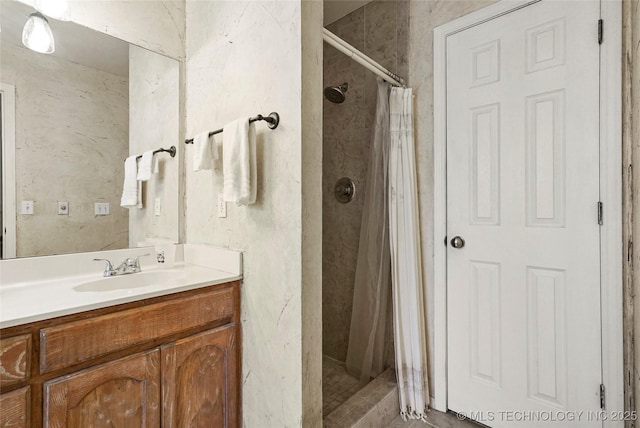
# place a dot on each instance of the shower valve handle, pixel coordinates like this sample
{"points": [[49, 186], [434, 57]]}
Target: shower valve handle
{"points": [[344, 190]]}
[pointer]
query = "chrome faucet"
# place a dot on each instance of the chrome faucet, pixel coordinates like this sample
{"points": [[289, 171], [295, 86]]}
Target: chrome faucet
{"points": [[129, 265]]}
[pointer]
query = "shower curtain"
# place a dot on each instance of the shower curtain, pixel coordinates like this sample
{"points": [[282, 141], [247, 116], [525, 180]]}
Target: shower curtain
{"points": [[409, 304], [365, 354]]}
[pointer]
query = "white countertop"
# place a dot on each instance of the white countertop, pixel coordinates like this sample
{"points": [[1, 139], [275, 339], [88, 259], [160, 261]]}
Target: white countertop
{"points": [[25, 298]]}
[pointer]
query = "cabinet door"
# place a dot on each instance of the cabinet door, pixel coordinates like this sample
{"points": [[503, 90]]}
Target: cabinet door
{"points": [[14, 408], [200, 381], [123, 393]]}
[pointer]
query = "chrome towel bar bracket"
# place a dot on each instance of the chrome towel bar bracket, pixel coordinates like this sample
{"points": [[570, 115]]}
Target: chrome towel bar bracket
{"points": [[171, 150]]}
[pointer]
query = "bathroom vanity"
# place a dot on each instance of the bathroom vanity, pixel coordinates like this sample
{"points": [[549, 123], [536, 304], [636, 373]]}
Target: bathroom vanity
{"points": [[166, 357]]}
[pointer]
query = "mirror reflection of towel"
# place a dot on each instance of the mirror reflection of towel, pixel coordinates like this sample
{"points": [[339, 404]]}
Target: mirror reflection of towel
{"points": [[145, 166], [130, 187]]}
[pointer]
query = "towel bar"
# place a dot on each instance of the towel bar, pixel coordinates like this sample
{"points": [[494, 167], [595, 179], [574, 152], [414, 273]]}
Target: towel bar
{"points": [[273, 120], [171, 150]]}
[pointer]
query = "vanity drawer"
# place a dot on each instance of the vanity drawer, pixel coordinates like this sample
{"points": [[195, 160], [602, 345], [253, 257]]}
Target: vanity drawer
{"points": [[72, 343], [15, 360]]}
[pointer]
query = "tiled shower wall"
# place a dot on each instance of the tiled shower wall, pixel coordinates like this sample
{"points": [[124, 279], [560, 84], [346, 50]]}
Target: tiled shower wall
{"points": [[380, 30]]}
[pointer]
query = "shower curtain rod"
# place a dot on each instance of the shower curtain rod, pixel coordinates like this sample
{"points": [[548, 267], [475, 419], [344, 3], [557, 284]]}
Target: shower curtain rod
{"points": [[361, 58]]}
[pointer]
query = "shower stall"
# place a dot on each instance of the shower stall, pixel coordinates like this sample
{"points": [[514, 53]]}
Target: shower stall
{"points": [[379, 30]]}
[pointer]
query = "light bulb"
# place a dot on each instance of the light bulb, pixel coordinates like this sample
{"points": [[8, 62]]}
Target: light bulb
{"points": [[56, 9], [37, 35]]}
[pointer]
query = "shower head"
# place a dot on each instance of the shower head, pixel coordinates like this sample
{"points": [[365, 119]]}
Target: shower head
{"points": [[335, 94]]}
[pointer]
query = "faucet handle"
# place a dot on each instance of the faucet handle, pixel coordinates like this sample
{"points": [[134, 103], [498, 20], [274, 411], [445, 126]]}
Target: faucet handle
{"points": [[135, 262], [108, 268]]}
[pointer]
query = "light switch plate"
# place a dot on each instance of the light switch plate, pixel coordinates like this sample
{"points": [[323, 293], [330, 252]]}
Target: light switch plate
{"points": [[157, 207], [101, 208], [27, 208], [222, 206], [63, 208]]}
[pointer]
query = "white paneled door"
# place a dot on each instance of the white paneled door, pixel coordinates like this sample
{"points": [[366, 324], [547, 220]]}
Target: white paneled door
{"points": [[523, 258]]}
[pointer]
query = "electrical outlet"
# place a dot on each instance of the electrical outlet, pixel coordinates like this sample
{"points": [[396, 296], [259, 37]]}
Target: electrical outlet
{"points": [[157, 207], [63, 208], [27, 208], [222, 206], [101, 208]]}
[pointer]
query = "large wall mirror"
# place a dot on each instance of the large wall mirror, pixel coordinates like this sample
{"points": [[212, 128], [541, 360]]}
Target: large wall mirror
{"points": [[69, 120]]}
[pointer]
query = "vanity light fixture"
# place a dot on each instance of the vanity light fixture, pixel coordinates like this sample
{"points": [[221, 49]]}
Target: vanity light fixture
{"points": [[56, 9], [37, 35]]}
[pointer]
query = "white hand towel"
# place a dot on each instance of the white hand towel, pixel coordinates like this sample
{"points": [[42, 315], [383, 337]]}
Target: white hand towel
{"points": [[239, 162], [205, 151], [130, 187], [145, 166], [215, 152]]}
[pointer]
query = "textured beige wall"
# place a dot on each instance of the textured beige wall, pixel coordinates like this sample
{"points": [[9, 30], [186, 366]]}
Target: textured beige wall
{"points": [[154, 122], [631, 201], [380, 30], [80, 164], [311, 214], [245, 58]]}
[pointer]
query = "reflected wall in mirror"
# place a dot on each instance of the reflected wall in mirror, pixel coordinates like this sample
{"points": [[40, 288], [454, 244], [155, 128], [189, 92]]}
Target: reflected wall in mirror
{"points": [[69, 120]]}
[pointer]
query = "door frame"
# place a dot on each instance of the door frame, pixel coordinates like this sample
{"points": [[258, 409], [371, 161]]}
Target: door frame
{"points": [[610, 195], [8, 220]]}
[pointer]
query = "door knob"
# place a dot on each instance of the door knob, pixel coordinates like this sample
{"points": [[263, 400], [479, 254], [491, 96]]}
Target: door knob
{"points": [[457, 242]]}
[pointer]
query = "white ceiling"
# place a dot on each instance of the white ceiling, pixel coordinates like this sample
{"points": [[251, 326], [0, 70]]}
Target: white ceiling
{"points": [[74, 42], [336, 9]]}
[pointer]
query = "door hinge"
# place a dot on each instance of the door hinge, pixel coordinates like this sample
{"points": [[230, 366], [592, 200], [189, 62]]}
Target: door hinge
{"points": [[600, 31], [600, 209], [602, 396]]}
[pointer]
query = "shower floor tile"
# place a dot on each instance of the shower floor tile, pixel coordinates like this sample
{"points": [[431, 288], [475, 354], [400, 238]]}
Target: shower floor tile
{"points": [[337, 385]]}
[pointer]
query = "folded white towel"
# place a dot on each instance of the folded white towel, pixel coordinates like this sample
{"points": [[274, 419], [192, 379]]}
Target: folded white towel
{"points": [[145, 166], [239, 162], [130, 187], [205, 151]]}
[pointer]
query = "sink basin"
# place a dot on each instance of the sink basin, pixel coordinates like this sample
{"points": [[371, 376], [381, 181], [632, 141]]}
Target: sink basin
{"points": [[134, 280]]}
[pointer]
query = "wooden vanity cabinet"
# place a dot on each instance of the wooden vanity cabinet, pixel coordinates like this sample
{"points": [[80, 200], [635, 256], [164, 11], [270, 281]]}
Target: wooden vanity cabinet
{"points": [[171, 361]]}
